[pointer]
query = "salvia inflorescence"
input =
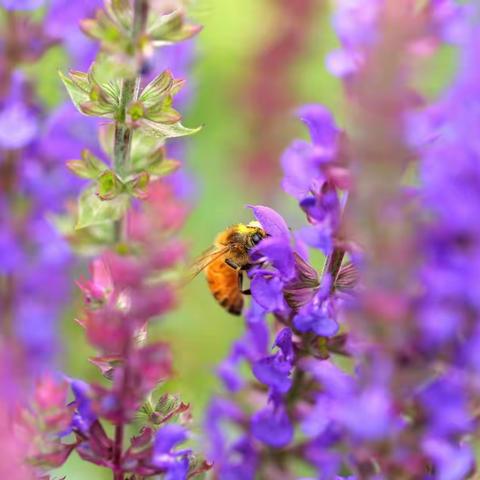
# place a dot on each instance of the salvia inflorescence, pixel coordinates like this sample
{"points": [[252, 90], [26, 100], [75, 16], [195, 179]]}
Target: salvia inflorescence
{"points": [[364, 366]]}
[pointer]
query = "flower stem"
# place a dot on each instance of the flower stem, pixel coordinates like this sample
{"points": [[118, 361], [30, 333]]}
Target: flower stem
{"points": [[121, 159], [118, 447], [128, 93]]}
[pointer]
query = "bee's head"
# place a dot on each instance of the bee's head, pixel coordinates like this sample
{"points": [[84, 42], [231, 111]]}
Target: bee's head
{"points": [[255, 234]]}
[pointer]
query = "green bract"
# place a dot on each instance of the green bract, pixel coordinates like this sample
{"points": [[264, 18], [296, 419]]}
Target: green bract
{"points": [[90, 97], [113, 28], [88, 167], [141, 119], [94, 211]]}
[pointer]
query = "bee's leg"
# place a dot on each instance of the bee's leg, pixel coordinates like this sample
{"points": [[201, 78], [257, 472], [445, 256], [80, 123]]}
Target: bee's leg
{"points": [[240, 284], [232, 264]]}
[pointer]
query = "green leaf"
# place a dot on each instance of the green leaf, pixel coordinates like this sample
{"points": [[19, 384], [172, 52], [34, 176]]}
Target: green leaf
{"points": [[163, 168], [75, 89], [145, 150], [89, 167], [94, 211], [93, 162], [79, 168], [94, 109], [171, 28], [184, 33], [122, 11], [158, 87], [161, 130], [89, 97]]}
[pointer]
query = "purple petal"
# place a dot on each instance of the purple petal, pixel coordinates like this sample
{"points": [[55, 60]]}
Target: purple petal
{"points": [[18, 126], [318, 418], [268, 292], [452, 462], [372, 404], [279, 253], [284, 343], [257, 335], [228, 372], [272, 222], [21, 4], [334, 381], [321, 124], [86, 415], [272, 427], [300, 167], [273, 372], [342, 63], [177, 469], [317, 237], [316, 319], [167, 438]]}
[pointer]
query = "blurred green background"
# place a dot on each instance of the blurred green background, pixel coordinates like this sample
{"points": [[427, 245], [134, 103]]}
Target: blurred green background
{"points": [[231, 53]]}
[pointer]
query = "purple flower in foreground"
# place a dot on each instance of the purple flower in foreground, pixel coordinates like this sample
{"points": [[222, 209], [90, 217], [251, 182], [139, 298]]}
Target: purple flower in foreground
{"points": [[317, 317], [274, 370]]}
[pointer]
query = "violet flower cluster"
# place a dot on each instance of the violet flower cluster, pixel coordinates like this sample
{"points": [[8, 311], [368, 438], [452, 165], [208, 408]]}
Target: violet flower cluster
{"points": [[129, 217], [401, 309], [34, 260]]}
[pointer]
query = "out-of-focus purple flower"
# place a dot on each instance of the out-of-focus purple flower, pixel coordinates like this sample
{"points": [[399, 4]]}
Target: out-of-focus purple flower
{"points": [[451, 462], [355, 24], [22, 4], [62, 22], [18, 126], [235, 458], [374, 404], [304, 163], [178, 59], [445, 404], [174, 463], [84, 415], [273, 427]]}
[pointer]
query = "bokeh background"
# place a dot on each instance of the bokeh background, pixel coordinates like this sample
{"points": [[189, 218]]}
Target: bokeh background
{"points": [[254, 62]]}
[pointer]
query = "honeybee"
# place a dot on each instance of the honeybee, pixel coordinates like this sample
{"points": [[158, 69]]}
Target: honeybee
{"points": [[224, 262]]}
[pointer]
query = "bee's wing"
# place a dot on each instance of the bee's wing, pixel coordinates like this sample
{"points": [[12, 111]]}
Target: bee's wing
{"points": [[205, 259]]}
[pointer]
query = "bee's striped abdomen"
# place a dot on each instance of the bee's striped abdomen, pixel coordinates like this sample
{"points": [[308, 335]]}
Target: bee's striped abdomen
{"points": [[223, 283]]}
